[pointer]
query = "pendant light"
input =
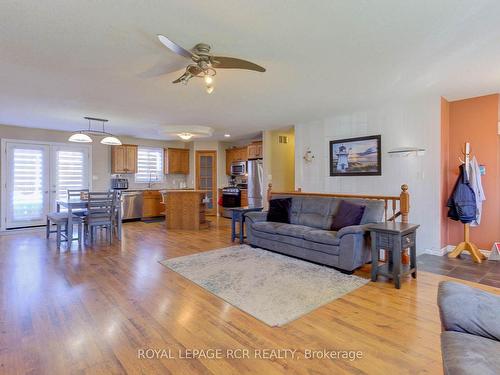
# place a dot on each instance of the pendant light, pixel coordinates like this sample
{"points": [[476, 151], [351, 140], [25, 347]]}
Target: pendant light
{"points": [[82, 136]]}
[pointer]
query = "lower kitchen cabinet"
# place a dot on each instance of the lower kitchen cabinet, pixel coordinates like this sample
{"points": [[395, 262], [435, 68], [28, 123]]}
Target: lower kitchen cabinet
{"points": [[152, 206]]}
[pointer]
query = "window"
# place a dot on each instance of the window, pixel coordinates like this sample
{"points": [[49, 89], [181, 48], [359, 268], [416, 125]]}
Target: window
{"points": [[71, 171], [149, 164]]}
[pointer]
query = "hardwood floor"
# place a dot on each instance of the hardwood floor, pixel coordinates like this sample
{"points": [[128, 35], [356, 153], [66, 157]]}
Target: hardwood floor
{"points": [[90, 311]]}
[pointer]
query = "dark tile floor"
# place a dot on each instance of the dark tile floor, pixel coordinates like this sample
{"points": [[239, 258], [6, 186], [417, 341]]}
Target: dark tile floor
{"points": [[464, 268]]}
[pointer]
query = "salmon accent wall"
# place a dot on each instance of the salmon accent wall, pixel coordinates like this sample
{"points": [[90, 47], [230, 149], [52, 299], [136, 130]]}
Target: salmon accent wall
{"points": [[473, 120]]}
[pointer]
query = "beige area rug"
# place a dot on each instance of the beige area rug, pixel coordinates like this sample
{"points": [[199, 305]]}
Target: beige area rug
{"points": [[271, 287]]}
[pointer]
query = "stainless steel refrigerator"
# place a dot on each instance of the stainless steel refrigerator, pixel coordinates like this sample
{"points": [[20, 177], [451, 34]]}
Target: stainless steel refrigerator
{"points": [[255, 181]]}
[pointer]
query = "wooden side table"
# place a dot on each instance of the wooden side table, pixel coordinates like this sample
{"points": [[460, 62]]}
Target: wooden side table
{"points": [[238, 215], [394, 237]]}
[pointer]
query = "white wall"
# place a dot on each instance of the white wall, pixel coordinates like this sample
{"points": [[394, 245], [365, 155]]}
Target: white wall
{"points": [[402, 122], [101, 154]]}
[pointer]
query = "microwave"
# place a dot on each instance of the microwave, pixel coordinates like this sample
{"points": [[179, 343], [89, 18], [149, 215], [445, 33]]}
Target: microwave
{"points": [[238, 168]]}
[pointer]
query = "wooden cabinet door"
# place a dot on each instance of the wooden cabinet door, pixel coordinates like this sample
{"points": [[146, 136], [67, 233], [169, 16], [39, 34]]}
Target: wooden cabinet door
{"points": [[118, 159], [184, 161], [244, 198], [124, 159], [151, 206], [259, 153], [229, 160], [176, 161], [131, 158], [252, 151]]}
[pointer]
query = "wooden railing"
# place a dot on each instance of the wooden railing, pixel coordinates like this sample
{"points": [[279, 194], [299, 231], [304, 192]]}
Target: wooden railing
{"points": [[394, 206]]}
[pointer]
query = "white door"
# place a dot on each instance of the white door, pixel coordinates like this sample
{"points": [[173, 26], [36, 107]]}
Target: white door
{"points": [[27, 184], [70, 171]]}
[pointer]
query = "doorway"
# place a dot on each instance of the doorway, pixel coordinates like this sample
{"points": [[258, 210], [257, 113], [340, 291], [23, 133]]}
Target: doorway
{"points": [[36, 175], [206, 178]]}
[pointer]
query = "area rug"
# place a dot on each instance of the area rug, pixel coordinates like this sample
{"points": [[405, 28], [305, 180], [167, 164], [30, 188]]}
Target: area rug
{"points": [[271, 287]]}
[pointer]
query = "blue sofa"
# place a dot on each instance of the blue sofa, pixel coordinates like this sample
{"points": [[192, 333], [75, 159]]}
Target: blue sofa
{"points": [[308, 236], [470, 341]]}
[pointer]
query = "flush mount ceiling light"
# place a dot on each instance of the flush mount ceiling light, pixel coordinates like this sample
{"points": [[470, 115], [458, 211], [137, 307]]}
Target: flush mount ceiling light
{"points": [[83, 136], [186, 132], [205, 64]]}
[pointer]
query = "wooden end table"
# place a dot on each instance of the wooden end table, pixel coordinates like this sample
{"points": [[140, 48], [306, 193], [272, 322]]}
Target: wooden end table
{"points": [[394, 237], [238, 215]]}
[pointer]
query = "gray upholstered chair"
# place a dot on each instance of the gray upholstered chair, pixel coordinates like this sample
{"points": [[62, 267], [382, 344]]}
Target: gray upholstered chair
{"points": [[470, 341]]}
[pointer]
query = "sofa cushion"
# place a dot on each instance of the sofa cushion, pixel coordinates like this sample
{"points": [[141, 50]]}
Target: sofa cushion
{"points": [[322, 236], [322, 247], [317, 212], [469, 310], [266, 226], [348, 214], [465, 354], [299, 242], [293, 230], [279, 210]]}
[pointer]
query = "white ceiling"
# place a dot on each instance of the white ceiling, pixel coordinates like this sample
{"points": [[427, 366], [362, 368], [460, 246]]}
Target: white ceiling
{"points": [[61, 60]]}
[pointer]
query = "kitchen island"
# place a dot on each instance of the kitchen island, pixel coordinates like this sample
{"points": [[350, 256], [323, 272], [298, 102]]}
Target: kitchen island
{"points": [[185, 209]]}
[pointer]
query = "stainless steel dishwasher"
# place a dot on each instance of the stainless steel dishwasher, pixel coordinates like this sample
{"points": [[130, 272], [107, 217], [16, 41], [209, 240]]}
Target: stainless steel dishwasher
{"points": [[132, 203]]}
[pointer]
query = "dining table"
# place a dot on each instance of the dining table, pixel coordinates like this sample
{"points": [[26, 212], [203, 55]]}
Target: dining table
{"points": [[78, 203]]}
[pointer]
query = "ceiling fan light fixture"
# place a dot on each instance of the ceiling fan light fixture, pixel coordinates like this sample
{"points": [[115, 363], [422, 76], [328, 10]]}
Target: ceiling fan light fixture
{"points": [[111, 141], [210, 89], [80, 138], [208, 79], [185, 136]]}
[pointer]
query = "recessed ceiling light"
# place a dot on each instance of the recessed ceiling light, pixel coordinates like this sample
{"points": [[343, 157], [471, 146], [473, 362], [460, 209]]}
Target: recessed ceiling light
{"points": [[227, 135]]}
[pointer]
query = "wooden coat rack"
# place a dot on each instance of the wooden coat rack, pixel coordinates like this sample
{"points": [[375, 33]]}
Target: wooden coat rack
{"points": [[466, 244]]}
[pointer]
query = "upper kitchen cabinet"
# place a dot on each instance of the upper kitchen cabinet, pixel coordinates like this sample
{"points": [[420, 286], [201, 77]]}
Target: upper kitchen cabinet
{"points": [[235, 154], [124, 159], [176, 161], [254, 150]]}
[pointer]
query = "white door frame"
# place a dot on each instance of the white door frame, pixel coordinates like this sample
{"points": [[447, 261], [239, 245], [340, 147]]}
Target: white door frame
{"points": [[4, 167]]}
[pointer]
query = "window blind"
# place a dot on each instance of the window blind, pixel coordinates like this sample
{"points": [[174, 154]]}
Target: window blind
{"points": [[149, 164], [71, 172], [28, 184]]}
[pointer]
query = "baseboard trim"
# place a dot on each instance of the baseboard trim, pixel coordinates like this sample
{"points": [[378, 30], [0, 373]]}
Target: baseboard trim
{"points": [[449, 248]]}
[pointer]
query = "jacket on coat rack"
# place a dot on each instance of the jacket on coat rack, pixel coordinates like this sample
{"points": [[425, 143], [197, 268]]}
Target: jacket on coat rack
{"points": [[474, 174], [462, 202]]}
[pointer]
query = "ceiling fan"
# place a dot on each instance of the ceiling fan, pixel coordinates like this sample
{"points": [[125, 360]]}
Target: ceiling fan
{"points": [[205, 64]]}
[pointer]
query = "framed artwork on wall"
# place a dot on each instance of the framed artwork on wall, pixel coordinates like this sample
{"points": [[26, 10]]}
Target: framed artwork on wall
{"points": [[356, 156]]}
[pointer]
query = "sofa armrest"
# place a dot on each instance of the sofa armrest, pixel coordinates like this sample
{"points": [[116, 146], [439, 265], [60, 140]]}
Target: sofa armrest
{"points": [[256, 216], [469, 310], [352, 229]]}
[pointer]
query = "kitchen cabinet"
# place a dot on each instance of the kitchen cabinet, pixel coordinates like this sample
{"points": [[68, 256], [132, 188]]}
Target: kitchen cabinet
{"points": [[151, 205], [124, 159], [254, 150], [235, 154], [244, 198], [176, 161]]}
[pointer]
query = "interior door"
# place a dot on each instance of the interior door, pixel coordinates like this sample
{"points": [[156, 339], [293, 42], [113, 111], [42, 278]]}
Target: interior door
{"points": [[206, 177], [27, 184]]}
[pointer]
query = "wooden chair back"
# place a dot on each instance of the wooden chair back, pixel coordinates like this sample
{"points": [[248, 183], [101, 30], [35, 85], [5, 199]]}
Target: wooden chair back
{"points": [[77, 193], [101, 207]]}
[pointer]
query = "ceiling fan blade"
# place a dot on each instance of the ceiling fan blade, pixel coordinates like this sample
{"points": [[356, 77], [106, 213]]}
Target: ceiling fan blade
{"points": [[175, 47], [221, 62]]}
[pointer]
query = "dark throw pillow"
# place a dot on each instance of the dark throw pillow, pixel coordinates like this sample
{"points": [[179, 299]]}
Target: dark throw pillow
{"points": [[279, 210], [347, 214]]}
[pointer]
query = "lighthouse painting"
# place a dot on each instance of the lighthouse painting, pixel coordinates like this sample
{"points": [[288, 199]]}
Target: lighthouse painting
{"points": [[356, 156]]}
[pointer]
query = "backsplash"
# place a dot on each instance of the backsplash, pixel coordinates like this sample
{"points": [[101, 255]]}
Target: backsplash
{"points": [[169, 182]]}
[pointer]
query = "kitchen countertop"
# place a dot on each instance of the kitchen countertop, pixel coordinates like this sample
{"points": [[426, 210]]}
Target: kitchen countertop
{"points": [[160, 190]]}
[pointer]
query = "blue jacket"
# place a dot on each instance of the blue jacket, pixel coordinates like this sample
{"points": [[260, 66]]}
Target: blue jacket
{"points": [[462, 202]]}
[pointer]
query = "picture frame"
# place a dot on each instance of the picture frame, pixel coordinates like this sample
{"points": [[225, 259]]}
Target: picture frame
{"points": [[360, 156]]}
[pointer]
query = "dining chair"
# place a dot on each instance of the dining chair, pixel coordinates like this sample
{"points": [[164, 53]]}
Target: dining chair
{"points": [[60, 220], [77, 194], [100, 212]]}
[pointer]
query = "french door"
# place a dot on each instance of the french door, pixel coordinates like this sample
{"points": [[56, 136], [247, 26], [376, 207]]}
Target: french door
{"points": [[35, 176], [206, 177]]}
